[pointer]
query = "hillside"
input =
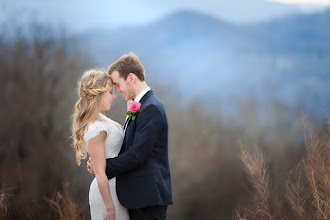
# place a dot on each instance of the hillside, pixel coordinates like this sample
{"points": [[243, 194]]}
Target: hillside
{"points": [[286, 59]]}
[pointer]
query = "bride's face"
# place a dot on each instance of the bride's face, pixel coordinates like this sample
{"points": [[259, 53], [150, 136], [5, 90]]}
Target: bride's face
{"points": [[106, 99]]}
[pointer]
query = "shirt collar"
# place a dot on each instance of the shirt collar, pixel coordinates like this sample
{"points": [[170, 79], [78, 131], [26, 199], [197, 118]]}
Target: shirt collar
{"points": [[141, 94]]}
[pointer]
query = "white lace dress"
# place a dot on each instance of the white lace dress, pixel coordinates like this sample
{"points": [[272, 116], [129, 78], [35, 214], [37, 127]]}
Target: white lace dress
{"points": [[113, 143]]}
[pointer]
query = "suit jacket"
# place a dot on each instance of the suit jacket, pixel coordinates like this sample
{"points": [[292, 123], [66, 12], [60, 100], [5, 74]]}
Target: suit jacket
{"points": [[142, 166]]}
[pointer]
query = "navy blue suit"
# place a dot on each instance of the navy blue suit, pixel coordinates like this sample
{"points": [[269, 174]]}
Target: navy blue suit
{"points": [[142, 166]]}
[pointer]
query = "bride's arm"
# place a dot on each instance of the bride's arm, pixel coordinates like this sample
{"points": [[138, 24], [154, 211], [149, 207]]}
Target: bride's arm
{"points": [[96, 151]]}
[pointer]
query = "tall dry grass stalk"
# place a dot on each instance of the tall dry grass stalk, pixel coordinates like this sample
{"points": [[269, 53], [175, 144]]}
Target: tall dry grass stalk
{"points": [[307, 187], [62, 206], [4, 202], [317, 169], [256, 169], [297, 192]]}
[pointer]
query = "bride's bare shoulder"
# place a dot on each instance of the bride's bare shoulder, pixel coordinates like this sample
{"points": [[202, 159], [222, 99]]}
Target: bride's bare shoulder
{"points": [[103, 118]]}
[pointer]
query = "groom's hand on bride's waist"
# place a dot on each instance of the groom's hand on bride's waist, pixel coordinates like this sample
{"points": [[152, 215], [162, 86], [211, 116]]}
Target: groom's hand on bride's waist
{"points": [[89, 165]]}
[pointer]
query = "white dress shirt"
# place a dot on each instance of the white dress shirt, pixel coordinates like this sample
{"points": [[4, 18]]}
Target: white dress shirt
{"points": [[141, 94]]}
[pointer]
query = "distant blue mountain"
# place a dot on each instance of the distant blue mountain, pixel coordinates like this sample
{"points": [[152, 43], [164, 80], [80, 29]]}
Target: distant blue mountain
{"points": [[287, 59]]}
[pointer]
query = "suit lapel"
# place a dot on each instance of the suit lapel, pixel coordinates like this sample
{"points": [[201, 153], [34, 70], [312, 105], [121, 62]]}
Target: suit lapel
{"points": [[146, 96], [128, 118], [149, 93], [143, 99]]}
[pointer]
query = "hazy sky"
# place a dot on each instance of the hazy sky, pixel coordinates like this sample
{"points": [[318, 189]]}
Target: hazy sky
{"points": [[80, 15], [315, 2]]}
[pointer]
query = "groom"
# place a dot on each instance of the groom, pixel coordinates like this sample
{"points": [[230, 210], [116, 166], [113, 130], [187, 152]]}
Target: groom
{"points": [[142, 166]]}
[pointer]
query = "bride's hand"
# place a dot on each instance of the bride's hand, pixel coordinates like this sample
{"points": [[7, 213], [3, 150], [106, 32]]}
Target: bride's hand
{"points": [[89, 166], [110, 214], [128, 102]]}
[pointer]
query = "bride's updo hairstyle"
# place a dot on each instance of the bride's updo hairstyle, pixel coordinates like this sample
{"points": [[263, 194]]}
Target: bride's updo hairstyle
{"points": [[93, 83]]}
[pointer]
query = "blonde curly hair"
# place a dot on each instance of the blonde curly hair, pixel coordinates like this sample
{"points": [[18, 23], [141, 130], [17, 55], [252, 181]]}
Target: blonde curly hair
{"points": [[93, 83]]}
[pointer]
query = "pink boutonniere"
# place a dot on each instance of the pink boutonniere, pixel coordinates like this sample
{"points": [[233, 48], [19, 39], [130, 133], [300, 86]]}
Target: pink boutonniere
{"points": [[134, 109]]}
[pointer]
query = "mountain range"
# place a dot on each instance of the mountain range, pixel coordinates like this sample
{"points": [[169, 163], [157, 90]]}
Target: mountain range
{"points": [[199, 56]]}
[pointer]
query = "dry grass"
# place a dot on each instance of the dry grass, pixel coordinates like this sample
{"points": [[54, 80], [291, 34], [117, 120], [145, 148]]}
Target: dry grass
{"points": [[62, 206], [307, 187], [317, 170], [256, 169], [4, 202], [297, 192]]}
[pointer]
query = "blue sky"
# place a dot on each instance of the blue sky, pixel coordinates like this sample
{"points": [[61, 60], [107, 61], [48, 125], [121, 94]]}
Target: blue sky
{"points": [[81, 15]]}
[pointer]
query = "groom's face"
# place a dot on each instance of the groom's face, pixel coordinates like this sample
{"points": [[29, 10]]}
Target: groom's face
{"points": [[123, 86]]}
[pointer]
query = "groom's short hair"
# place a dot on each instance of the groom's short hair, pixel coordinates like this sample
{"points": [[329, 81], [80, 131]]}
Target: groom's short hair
{"points": [[126, 64]]}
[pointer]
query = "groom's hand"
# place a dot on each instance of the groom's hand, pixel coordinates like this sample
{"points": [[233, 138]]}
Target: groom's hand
{"points": [[128, 102], [89, 165]]}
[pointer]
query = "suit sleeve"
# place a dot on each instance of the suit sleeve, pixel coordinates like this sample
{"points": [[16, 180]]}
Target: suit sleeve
{"points": [[148, 127]]}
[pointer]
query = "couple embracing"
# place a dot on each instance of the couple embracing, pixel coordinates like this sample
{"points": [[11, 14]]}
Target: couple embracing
{"points": [[130, 162]]}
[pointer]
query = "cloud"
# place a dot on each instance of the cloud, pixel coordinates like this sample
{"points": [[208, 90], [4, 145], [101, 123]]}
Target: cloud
{"points": [[314, 2]]}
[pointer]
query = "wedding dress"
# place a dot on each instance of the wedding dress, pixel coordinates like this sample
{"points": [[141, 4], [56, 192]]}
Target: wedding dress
{"points": [[112, 144]]}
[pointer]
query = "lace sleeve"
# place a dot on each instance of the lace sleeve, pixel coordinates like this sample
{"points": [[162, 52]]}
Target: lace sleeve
{"points": [[93, 130]]}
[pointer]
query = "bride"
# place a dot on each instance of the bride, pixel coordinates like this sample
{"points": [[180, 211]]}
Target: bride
{"points": [[102, 138]]}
